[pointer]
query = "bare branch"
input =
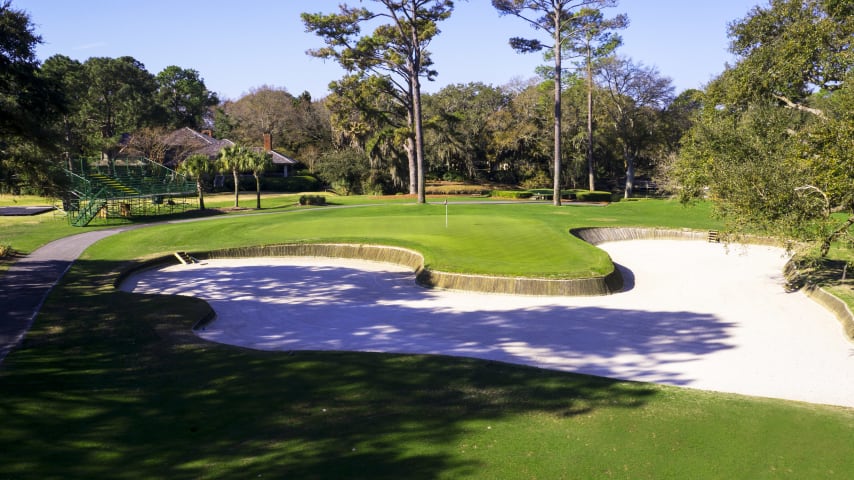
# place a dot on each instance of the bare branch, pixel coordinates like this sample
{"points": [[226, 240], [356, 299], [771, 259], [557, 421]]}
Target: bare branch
{"points": [[824, 195], [803, 108]]}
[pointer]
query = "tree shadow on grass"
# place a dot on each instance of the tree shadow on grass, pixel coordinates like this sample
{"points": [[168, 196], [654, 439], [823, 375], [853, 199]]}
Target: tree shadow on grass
{"points": [[114, 384]]}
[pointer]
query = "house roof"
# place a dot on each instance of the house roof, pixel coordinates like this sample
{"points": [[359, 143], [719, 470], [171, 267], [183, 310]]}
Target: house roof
{"points": [[278, 158], [200, 143], [197, 143]]}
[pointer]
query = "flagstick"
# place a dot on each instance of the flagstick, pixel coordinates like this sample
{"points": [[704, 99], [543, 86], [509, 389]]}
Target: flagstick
{"points": [[446, 213]]}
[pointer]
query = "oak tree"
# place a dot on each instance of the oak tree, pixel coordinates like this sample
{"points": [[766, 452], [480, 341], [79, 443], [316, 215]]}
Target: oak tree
{"points": [[29, 105], [636, 100], [773, 144]]}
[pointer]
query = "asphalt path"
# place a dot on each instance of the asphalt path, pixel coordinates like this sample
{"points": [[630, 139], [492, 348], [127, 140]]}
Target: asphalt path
{"points": [[28, 282]]}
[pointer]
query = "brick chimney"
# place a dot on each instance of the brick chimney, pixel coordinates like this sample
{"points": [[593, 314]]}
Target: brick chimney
{"points": [[268, 142]]}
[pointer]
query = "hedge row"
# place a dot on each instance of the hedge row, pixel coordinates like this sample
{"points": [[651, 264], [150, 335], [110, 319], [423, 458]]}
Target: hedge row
{"points": [[302, 183], [312, 200], [511, 194], [456, 189], [594, 196], [580, 195]]}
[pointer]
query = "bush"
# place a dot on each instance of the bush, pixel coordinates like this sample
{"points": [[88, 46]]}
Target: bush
{"points": [[346, 170], [595, 196], [516, 194], [302, 183], [456, 189], [539, 180], [312, 200], [453, 177]]}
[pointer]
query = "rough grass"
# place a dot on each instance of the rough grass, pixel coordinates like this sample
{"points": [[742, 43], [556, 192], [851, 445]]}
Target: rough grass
{"points": [[21, 235]]}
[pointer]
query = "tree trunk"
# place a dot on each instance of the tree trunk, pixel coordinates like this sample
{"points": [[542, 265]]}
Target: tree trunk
{"points": [[419, 142], [590, 178], [630, 175], [828, 240], [201, 190], [557, 112], [415, 92], [413, 166], [410, 149], [236, 189], [257, 192]]}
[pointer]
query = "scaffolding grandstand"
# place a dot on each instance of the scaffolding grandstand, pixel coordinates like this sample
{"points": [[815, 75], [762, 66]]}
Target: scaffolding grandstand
{"points": [[123, 188]]}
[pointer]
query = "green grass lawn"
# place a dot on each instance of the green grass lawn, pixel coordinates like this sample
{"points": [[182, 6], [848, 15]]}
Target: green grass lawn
{"points": [[114, 385], [514, 239]]}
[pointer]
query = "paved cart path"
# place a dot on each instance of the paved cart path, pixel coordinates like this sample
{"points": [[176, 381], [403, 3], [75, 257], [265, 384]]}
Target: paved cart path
{"points": [[27, 283]]}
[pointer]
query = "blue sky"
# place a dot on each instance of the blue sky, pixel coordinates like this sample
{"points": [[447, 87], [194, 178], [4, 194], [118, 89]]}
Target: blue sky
{"points": [[240, 45]]}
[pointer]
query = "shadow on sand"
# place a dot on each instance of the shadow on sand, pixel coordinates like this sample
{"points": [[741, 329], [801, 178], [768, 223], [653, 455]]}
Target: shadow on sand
{"points": [[340, 308]]}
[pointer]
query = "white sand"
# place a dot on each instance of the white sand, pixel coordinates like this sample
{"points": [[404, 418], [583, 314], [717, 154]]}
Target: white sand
{"points": [[699, 315]]}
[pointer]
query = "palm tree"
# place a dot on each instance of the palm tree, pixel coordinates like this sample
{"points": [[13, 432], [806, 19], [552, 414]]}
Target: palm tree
{"points": [[197, 166], [233, 159], [258, 162]]}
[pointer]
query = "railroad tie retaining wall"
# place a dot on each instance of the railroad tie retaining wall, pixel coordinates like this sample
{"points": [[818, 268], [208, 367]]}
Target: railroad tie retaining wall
{"points": [[836, 306], [431, 278]]}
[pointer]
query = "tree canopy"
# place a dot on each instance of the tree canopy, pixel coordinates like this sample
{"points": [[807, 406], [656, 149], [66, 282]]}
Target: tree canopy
{"points": [[185, 99], [561, 21], [396, 50], [29, 101], [636, 100], [773, 144]]}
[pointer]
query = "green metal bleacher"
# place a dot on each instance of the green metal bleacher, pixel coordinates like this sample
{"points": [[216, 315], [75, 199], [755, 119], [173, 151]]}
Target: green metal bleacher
{"points": [[100, 186]]}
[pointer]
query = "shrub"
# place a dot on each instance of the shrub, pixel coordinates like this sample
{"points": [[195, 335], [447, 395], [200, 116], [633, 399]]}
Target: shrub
{"points": [[301, 183], [346, 170], [453, 177], [595, 196], [456, 189], [539, 180], [6, 250], [511, 194], [312, 200]]}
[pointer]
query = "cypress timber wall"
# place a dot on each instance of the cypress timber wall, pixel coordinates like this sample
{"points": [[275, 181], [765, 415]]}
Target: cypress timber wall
{"points": [[597, 235], [602, 285], [430, 278], [836, 306]]}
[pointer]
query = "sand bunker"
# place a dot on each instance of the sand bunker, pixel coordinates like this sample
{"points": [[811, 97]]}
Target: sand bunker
{"points": [[695, 314]]}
